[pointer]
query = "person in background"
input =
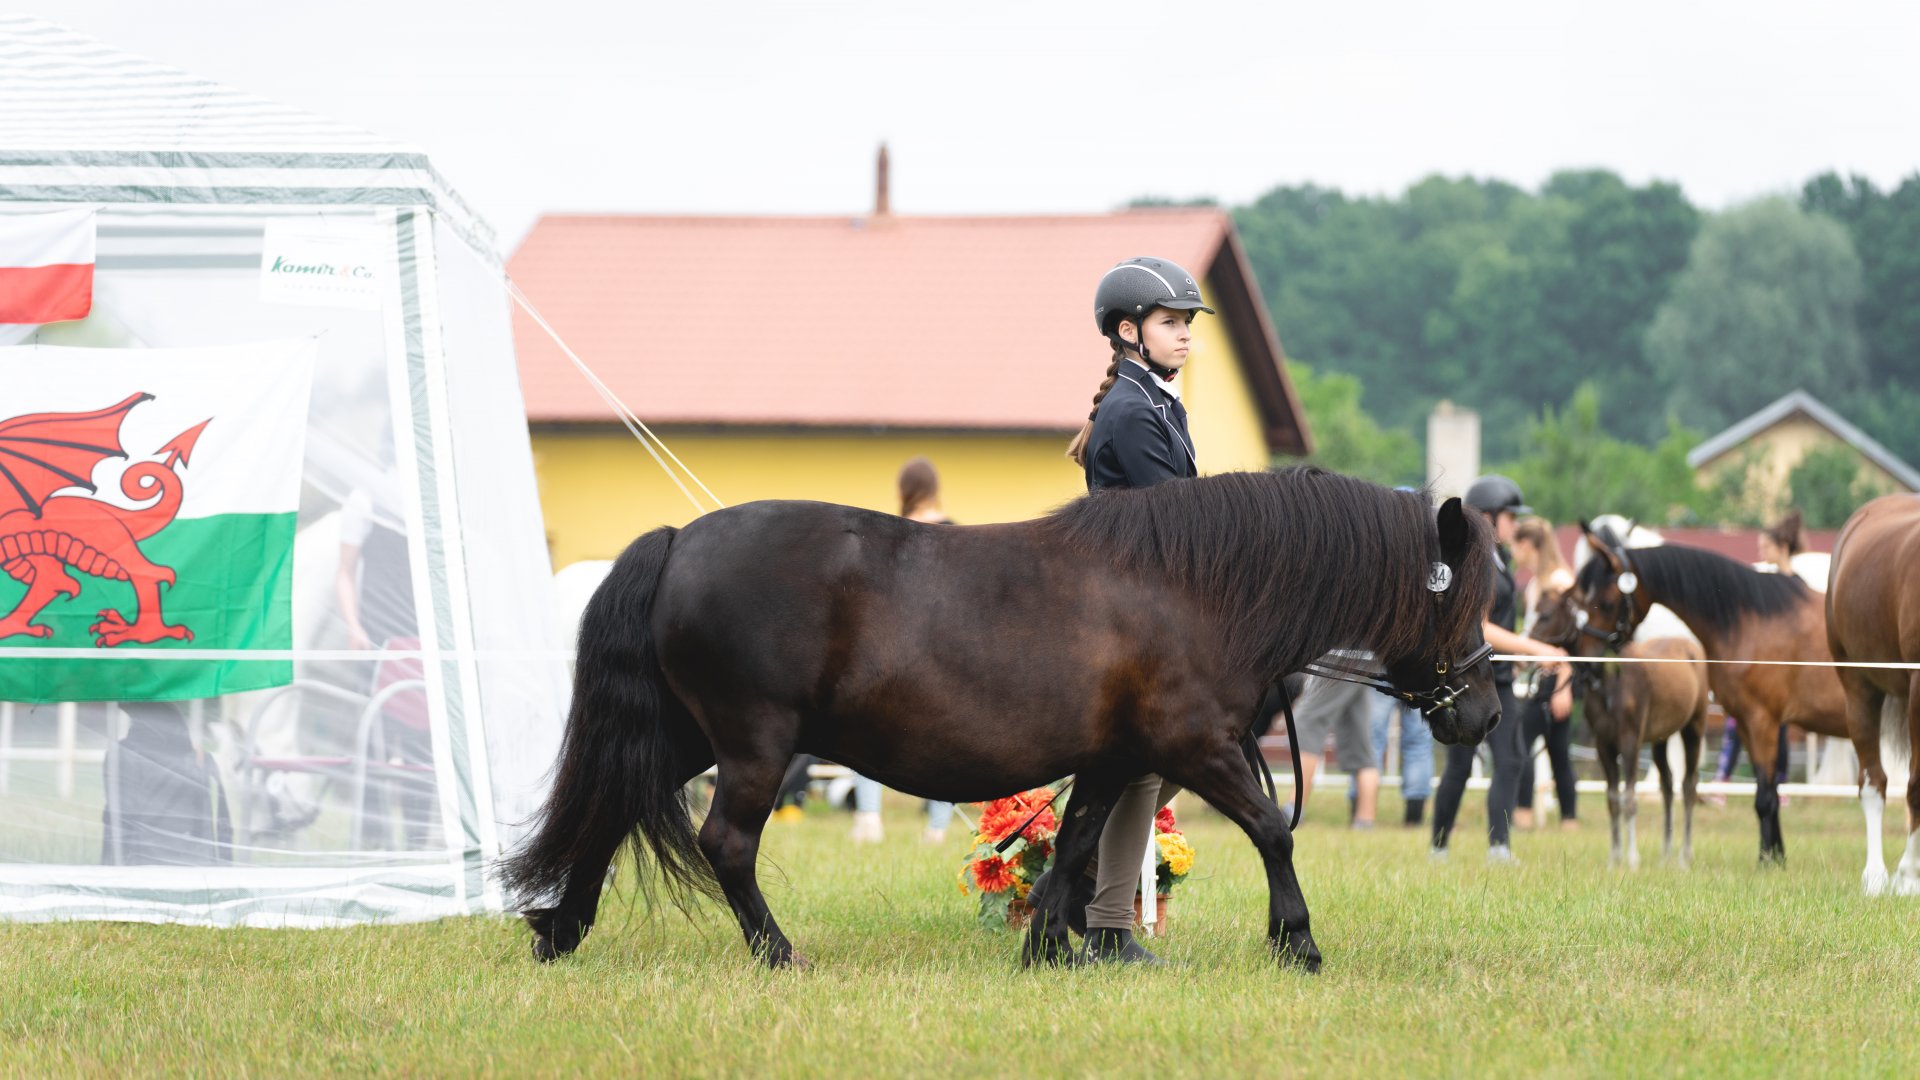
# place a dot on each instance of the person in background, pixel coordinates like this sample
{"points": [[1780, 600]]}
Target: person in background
{"points": [[1341, 711], [1547, 713], [1501, 501], [919, 501], [1416, 756]]}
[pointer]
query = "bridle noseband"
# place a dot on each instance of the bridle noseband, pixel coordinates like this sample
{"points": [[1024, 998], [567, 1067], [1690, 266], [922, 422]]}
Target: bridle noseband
{"points": [[1437, 698], [1441, 696]]}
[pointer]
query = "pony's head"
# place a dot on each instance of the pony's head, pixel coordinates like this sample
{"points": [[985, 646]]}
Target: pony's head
{"points": [[1447, 673], [1606, 603]]}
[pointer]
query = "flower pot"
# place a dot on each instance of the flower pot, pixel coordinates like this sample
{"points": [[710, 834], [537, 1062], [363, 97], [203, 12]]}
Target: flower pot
{"points": [[1018, 912], [1162, 911]]}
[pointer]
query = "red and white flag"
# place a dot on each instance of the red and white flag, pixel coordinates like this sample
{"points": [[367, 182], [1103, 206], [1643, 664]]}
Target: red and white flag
{"points": [[46, 270]]}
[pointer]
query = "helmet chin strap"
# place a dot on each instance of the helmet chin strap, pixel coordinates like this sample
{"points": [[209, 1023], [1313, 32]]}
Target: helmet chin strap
{"points": [[1164, 374]]}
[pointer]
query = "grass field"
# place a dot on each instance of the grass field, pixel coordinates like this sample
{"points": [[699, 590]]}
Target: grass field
{"points": [[1558, 967]]}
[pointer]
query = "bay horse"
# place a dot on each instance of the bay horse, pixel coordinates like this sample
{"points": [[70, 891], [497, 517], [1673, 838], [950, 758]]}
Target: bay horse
{"points": [[1628, 706], [1739, 614], [1128, 632], [1873, 615]]}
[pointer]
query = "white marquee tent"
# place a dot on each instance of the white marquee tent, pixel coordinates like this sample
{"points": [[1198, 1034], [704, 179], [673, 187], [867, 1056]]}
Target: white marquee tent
{"points": [[365, 743]]}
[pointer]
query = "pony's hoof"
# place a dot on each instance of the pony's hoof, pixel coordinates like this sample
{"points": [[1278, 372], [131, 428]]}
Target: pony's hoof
{"points": [[1874, 881], [1050, 950], [545, 951], [1906, 885], [1299, 951]]}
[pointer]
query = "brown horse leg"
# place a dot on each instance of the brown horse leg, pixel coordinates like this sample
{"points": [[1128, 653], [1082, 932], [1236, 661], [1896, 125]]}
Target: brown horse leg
{"points": [[1691, 737], [1864, 701], [742, 800], [1630, 796], [1223, 779], [1665, 769], [1073, 849], [1906, 877], [1610, 765], [1762, 732]]}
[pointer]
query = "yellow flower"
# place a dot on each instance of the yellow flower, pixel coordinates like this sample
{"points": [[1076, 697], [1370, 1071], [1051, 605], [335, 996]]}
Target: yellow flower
{"points": [[962, 882], [1021, 888], [1176, 851]]}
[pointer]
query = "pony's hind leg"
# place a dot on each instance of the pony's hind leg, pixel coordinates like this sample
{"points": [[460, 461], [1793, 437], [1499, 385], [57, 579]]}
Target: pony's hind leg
{"points": [[1225, 781], [1073, 849], [560, 929], [742, 800], [1691, 737], [1665, 769], [1630, 799]]}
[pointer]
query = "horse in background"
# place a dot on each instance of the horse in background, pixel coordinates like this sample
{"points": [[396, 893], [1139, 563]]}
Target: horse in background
{"points": [[1738, 614], [1129, 632], [1628, 706], [1873, 616]]}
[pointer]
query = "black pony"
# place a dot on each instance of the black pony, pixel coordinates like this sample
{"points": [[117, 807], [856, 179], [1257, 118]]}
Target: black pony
{"points": [[1128, 632]]}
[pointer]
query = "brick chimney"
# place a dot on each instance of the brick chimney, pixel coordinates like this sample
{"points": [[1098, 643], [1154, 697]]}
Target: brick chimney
{"points": [[882, 206]]}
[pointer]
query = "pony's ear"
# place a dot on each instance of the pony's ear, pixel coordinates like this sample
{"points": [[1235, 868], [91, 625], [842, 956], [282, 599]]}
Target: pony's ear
{"points": [[1602, 543], [1454, 532]]}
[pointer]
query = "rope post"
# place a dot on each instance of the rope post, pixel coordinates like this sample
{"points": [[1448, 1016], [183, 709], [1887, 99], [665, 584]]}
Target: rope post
{"points": [[1149, 913]]}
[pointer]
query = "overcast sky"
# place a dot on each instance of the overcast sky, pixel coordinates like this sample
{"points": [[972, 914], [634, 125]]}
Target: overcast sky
{"points": [[714, 107]]}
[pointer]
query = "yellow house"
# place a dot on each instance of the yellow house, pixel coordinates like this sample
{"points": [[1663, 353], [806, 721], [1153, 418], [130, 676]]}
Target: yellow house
{"points": [[1771, 442], [809, 358]]}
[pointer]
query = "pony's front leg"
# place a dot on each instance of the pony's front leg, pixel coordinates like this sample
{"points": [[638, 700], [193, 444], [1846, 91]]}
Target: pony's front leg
{"points": [[1225, 781], [1762, 731], [1906, 876], [1864, 701], [1610, 764], [1630, 799], [742, 801], [1073, 849]]}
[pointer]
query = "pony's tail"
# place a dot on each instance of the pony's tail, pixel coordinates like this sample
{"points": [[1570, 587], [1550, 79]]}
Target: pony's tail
{"points": [[624, 761]]}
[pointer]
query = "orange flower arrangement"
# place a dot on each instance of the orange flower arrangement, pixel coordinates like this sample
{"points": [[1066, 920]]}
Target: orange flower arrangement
{"points": [[1002, 879]]}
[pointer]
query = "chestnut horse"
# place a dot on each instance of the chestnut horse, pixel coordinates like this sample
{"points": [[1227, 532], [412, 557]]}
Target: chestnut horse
{"points": [[1873, 616], [1128, 632], [1739, 614]]}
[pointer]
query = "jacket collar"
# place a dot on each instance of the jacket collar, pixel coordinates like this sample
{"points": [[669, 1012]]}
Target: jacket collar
{"points": [[1138, 372]]}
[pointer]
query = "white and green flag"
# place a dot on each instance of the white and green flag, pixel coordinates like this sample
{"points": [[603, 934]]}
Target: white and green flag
{"points": [[147, 501]]}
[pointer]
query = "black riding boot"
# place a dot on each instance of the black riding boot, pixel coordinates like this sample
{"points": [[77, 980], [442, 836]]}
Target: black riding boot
{"points": [[1106, 946], [1416, 812]]}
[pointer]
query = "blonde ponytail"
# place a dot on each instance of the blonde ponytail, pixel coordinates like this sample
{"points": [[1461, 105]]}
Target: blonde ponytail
{"points": [[1077, 449]]}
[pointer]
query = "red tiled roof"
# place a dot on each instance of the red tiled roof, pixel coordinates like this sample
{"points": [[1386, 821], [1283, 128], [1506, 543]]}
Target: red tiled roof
{"points": [[902, 321]]}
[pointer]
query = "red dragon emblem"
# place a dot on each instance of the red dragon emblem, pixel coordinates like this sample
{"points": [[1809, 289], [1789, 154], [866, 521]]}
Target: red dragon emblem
{"points": [[43, 535]]}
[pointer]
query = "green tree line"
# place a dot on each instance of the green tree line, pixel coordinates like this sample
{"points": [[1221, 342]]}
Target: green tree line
{"points": [[1591, 317]]}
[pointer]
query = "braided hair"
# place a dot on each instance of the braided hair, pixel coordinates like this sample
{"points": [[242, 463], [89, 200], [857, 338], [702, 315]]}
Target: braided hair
{"points": [[1077, 449]]}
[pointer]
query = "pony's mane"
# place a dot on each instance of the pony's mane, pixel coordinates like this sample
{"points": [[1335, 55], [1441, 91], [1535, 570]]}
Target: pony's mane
{"points": [[1293, 561], [1706, 585]]}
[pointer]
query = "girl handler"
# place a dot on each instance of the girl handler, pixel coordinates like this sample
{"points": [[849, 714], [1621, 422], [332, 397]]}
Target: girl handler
{"points": [[1135, 436]]}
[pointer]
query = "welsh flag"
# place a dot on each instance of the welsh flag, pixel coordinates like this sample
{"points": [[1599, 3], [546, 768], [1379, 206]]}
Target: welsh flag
{"points": [[46, 270], [148, 501]]}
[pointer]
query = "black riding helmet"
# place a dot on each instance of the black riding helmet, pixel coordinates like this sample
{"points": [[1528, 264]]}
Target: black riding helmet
{"points": [[1493, 493], [1137, 286]]}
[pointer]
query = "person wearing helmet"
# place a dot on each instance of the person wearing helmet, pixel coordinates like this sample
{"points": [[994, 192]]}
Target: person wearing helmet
{"points": [[1135, 436], [1499, 498]]}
